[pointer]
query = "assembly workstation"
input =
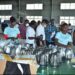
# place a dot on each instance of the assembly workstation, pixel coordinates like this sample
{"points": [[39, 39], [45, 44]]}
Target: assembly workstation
{"points": [[37, 37], [43, 60]]}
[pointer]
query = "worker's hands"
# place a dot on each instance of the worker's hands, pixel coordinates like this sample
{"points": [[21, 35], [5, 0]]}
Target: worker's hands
{"points": [[40, 37], [41, 44], [68, 46]]}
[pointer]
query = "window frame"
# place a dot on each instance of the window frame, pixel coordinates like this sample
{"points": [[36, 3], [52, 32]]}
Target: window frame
{"points": [[70, 19], [34, 5], [4, 7], [5, 17], [36, 18], [67, 6]]}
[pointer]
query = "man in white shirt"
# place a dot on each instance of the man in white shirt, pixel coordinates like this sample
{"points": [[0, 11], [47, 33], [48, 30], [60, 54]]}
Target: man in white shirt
{"points": [[70, 30], [12, 31], [40, 33], [30, 34]]}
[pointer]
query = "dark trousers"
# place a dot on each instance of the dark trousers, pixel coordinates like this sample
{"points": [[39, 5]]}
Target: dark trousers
{"points": [[48, 43], [38, 42]]}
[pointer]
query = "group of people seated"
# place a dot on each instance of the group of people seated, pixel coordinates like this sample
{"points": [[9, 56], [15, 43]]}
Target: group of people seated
{"points": [[39, 34]]}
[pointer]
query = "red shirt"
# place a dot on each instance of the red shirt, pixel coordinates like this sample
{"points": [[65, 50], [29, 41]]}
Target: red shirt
{"points": [[22, 29]]}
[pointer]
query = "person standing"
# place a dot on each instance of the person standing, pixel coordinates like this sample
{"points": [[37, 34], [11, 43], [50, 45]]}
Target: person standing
{"points": [[3, 26], [30, 34], [40, 33], [23, 28], [70, 30], [50, 32]]}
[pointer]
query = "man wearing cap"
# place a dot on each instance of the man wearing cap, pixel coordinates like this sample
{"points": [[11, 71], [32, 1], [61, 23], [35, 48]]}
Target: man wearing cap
{"points": [[12, 31]]}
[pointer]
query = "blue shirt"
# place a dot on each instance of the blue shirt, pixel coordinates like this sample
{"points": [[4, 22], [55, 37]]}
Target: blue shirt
{"points": [[48, 29], [11, 32]]}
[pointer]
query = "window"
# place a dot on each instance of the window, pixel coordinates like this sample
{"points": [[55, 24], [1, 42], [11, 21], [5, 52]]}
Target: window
{"points": [[34, 6], [68, 19], [67, 6], [36, 18], [4, 18], [6, 7]]}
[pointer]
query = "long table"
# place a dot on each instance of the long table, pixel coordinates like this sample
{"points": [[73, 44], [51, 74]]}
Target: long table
{"points": [[64, 69], [32, 64]]}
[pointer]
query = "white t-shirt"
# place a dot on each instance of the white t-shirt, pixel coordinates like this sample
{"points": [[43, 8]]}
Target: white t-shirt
{"points": [[11, 32], [70, 30], [30, 32], [40, 31], [63, 38]]}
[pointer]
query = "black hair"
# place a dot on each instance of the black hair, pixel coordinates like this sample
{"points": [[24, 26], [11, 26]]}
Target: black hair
{"points": [[26, 21], [63, 25], [45, 21], [33, 22], [21, 19], [12, 19]]}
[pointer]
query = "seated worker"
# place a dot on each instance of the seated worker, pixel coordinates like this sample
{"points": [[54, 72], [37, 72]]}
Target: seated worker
{"points": [[63, 38], [12, 31]]}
